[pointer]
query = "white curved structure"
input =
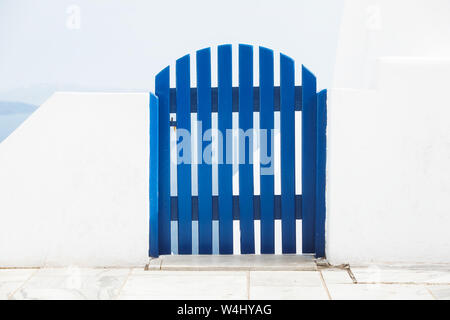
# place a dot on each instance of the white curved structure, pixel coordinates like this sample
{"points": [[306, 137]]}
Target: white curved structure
{"points": [[374, 29], [388, 172], [74, 183]]}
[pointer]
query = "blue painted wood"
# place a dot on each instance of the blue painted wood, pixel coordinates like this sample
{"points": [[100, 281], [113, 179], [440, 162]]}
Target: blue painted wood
{"points": [[225, 170], [320, 176], [277, 204], [256, 207], [184, 169], [298, 206], [195, 208], [235, 101], [236, 207], [309, 101], [266, 119], [174, 208], [245, 165], [162, 91], [287, 126], [204, 169], [195, 240], [153, 176], [215, 210], [246, 207]]}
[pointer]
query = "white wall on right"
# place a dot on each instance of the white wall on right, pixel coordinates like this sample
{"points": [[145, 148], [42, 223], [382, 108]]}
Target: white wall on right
{"points": [[388, 145]]}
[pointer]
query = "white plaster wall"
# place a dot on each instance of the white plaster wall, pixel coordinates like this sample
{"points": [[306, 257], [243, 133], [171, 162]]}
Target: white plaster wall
{"points": [[74, 183], [388, 172], [385, 28]]}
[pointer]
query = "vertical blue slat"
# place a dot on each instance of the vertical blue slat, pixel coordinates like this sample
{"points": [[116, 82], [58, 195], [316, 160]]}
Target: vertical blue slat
{"points": [[153, 176], [266, 78], [184, 169], [309, 102], [246, 168], [162, 91], [204, 169], [287, 124], [320, 176], [225, 170]]}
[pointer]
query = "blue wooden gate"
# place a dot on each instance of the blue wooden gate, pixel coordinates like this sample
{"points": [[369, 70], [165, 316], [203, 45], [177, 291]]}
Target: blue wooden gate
{"points": [[204, 223]]}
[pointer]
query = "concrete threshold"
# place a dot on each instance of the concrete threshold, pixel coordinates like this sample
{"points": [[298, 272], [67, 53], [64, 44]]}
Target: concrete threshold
{"points": [[285, 262]]}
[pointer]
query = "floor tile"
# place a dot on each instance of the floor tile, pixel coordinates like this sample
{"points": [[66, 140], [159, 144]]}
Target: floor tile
{"points": [[403, 274], [440, 292], [73, 283], [137, 283], [378, 292], [12, 279], [286, 285], [185, 285], [336, 276]]}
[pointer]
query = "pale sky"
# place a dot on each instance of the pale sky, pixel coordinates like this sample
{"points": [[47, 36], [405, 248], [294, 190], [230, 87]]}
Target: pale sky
{"points": [[119, 45]]}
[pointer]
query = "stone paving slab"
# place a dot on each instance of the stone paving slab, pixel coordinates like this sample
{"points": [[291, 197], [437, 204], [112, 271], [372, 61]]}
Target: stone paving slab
{"points": [[185, 285], [378, 292], [440, 292], [336, 276], [12, 279], [389, 282], [404, 274], [286, 285], [72, 284], [234, 263]]}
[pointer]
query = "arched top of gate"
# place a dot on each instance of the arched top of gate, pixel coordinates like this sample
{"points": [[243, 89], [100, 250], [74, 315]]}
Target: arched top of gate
{"points": [[245, 65], [244, 49]]}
